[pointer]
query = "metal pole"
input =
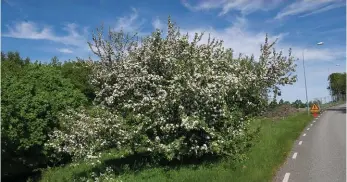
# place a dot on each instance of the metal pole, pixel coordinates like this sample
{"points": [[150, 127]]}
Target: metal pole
{"points": [[303, 64]]}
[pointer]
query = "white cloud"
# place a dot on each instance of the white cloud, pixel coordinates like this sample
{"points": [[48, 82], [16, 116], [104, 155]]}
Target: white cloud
{"points": [[203, 5], [65, 50], [157, 24], [326, 8], [320, 54], [241, 40], [309, 7], [130, 23], [244, 6], [30, 30], [75, 37], [236, 37]]}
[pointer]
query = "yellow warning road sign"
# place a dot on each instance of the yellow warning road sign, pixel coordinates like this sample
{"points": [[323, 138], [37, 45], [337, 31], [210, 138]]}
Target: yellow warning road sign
{"points": [[314, 108]]}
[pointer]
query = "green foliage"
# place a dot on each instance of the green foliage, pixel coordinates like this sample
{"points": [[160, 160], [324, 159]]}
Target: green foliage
{"points": [[298, 104], [286, 102], [273, 104], [337, 84], [169, 97], [79, 74], [262, 160], [32, 97], [281, 102], [180, 98]]}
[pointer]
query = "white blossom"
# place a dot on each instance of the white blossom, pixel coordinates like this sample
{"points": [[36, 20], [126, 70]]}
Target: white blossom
{"points": [[183, 97]]}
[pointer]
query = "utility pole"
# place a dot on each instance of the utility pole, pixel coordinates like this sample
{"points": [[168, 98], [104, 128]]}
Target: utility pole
{"points": [[303, 64]]}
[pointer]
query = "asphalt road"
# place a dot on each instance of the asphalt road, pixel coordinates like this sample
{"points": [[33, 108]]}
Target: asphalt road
{"points": [[319, 155]]}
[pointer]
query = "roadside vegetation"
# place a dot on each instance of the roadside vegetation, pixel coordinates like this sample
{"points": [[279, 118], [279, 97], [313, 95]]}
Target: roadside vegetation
{"points": [[260, 163], [157, 108]]}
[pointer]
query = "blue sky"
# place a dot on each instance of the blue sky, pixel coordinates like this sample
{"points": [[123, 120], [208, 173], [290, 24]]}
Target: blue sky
{"points": [[42, 29]]}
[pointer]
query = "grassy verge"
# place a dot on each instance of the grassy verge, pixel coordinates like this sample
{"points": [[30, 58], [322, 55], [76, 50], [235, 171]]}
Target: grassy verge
{"points": [[274, 143], [331, 104]]}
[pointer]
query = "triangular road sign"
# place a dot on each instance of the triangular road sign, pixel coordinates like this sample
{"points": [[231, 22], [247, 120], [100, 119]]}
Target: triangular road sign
{"points": [[314, 107]]}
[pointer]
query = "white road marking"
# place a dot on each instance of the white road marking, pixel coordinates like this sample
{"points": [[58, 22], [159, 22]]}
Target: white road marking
{"points": [[294, 156], [300, 142], [304, 134], [311, 124], [314, 121], [286, 177], [308, 128]]}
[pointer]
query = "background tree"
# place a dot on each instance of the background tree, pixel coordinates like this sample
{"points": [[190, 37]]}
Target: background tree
{"points": [[298, 104], [281, 102], [79, 73], [273, 104], [337, 85], [32, 96], [286, 103], [55, 61]]}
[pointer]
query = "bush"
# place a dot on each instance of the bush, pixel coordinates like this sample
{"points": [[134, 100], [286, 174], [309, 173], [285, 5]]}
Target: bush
{"points": [[89, 131], [32, 97], [182, 98], [79, 72]]}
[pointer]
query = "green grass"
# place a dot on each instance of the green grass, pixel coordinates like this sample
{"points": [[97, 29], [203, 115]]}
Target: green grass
{"points": [[331, 104], [265, 157]]}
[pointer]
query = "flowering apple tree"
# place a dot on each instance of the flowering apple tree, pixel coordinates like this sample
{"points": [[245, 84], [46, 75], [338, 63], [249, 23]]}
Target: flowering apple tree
{"points": [[86, 133], [179, 97]]}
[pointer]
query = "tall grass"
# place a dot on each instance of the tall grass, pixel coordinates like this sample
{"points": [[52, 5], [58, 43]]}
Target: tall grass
{"points": [[264, 158]]}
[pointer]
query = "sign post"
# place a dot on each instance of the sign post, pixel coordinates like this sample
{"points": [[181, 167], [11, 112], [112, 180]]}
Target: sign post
{"points": [[315, 110]]}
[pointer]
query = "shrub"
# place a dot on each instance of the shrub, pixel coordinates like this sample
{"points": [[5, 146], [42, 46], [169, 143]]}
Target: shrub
{"points": [[182, 98], [79, 72], [84, 133], [32, 96]]}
